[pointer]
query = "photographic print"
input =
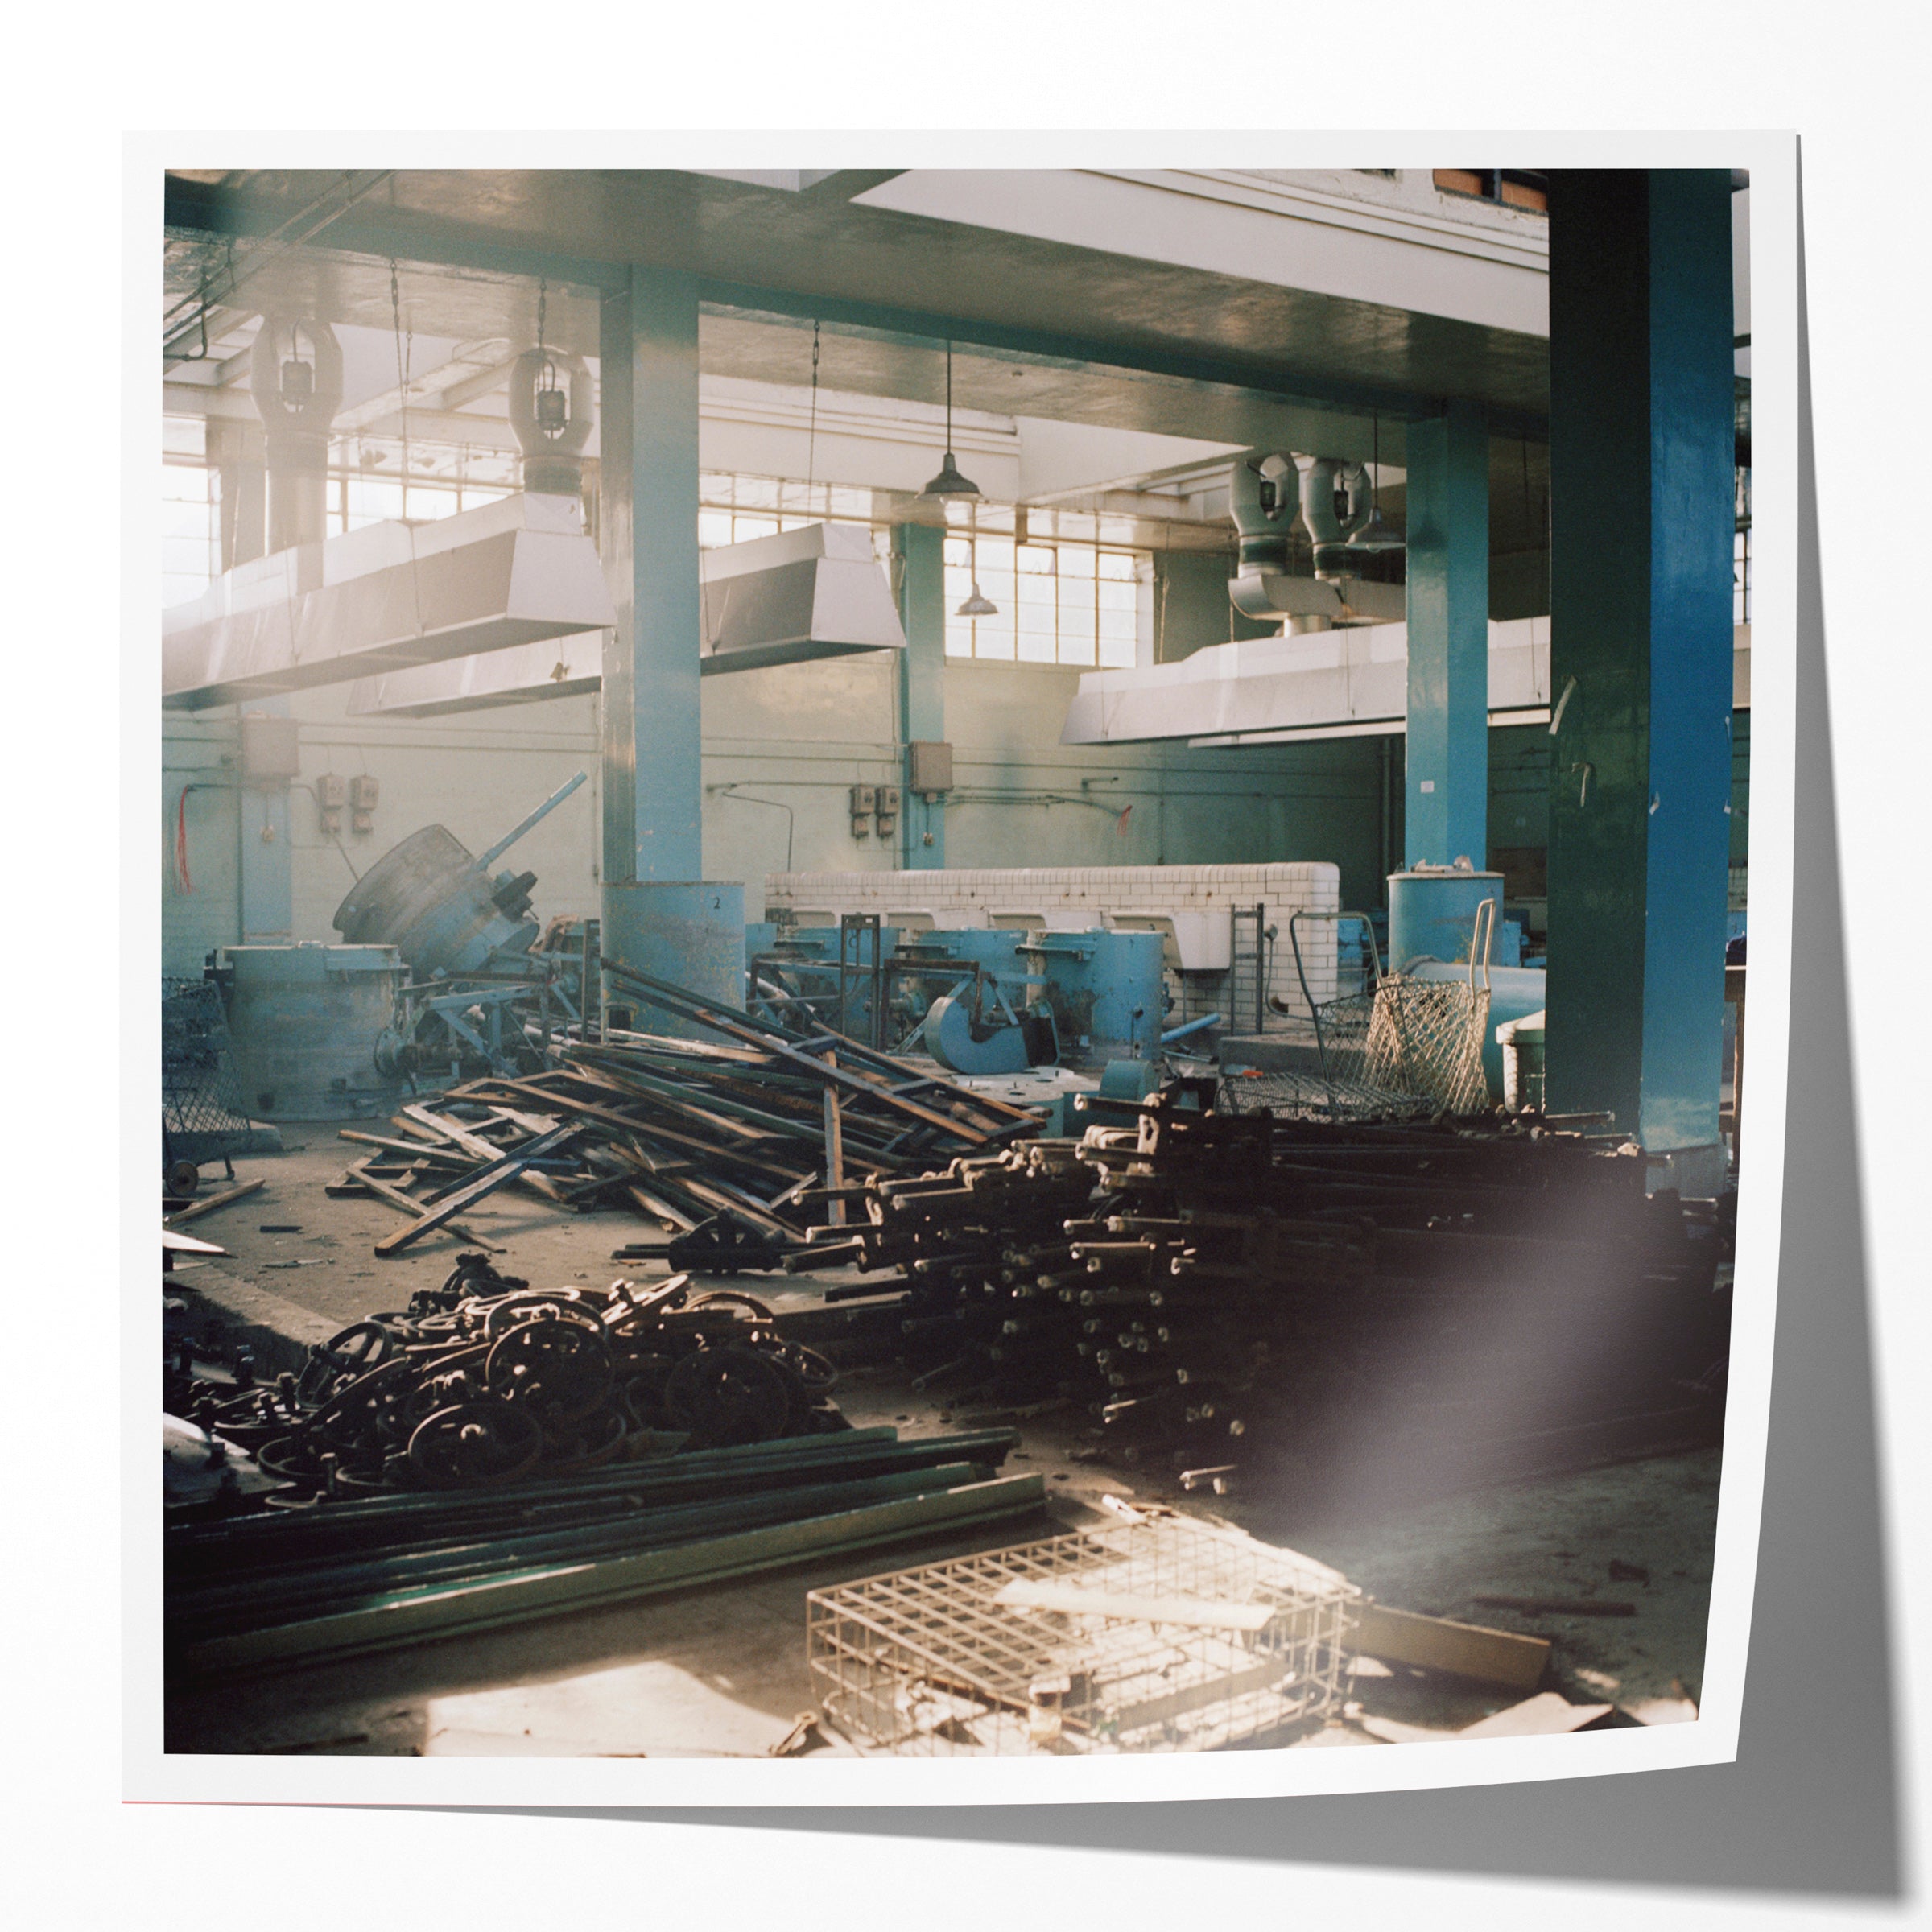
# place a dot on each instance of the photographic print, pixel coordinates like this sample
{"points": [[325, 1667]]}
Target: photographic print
{"points": [[954, 962]]}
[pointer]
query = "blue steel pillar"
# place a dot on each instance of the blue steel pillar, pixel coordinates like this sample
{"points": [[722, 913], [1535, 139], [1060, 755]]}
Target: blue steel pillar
{"points": [[1446, 804], [1641, 459], [659, 914], [921, 553]]}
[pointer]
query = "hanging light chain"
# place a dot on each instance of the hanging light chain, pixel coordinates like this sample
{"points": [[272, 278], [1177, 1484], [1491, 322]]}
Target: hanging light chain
{"points": [[812, 440], [403, 360]]}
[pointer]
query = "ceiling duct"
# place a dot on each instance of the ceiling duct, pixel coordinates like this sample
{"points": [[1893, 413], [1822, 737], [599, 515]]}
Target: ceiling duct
{"points": [[551, 410], [516, 571], [1264, 499], [296, 377], [815, 593], [526, 674]]}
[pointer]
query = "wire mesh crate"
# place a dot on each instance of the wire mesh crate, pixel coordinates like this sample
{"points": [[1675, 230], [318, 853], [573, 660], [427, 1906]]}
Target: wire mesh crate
{"points": [[1166, 1634], [203, 1116]]}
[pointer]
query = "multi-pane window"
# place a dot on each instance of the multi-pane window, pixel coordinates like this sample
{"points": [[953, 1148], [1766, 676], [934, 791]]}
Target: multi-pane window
{"points": [[190, 526], [1740, 577], [1057, 603], [734, 510], [357, 497]]}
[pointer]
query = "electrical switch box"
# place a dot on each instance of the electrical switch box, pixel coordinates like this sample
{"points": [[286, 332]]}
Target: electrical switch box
{"points": [[888, 814], [271, 749], [929, 767], [364, 790], [865, 802], [332, 795]]}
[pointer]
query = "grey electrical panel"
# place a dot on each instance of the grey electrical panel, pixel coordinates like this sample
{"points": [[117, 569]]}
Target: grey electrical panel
{"points": [[271, 749], [929, 766]]}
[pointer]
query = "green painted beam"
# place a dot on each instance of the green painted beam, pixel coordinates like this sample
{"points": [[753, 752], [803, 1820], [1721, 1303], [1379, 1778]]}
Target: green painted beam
{"points": [[1641, 446]]}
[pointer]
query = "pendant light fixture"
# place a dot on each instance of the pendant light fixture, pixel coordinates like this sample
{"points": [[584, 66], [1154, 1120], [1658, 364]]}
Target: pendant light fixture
{"points": [[1375, 535], [979, 605], [949, 482]]}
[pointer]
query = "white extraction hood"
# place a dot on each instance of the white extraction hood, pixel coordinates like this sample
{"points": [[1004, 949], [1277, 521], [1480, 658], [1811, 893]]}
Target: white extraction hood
{"points": [[815, 593], [1323, 684], [513, 572]]}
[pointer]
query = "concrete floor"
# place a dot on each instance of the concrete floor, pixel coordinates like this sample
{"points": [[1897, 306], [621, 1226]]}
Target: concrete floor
{"points": [[721, 1669]]}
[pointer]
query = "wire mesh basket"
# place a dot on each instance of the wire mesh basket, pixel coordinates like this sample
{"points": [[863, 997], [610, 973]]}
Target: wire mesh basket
{"points": [[203, 1115], [1169, 1633], [1402, 1047]]}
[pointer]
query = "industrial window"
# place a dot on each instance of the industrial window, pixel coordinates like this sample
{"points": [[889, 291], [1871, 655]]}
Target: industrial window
{"points": [[1740, 577], [734, 510], [1512, 187], [1058, 603], [357, 497], [191, 526]]}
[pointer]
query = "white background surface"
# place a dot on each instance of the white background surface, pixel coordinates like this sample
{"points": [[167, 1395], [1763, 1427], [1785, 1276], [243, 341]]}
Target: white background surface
{"points": [[1855, 100]]}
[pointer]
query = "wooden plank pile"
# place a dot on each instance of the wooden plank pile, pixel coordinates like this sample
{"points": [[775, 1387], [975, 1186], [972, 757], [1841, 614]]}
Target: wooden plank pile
{"points": [[757, 1129]]}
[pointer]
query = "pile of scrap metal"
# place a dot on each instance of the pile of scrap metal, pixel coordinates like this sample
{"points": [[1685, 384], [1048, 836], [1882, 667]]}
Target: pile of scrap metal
{"points": [[1368, 1307], [373, 1572], [728, 1138], [485, 1380]]}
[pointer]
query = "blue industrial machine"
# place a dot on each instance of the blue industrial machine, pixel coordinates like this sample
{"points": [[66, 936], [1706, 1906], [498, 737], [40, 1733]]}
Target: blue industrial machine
{"points": [[1106, 989], [980, 1001], [439, 907], [439, 950]]}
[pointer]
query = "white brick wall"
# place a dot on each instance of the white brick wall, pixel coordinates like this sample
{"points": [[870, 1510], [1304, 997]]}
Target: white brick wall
{"points": [[1069, 898]]}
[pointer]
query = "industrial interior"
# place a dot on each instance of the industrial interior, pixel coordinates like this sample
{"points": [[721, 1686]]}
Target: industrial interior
{"points": [[953, 961]]}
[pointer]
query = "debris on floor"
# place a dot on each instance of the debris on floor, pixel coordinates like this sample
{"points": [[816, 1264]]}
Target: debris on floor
{"points": [[1210, 1286], [681, 1131], [331, 1578], [1166, 1633]]}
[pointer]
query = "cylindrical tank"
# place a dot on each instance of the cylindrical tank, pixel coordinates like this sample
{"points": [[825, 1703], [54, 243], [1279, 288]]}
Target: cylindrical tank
{"points": [[1432, 912], [1522, 1044], [304, 1021], [689, 933], [428, 899]]}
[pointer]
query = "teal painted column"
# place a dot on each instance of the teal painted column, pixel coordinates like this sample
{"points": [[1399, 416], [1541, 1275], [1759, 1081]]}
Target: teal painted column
{"points": [[1641, 455], [1447, 791], [653, 767], [660, 915], [922, 552]]}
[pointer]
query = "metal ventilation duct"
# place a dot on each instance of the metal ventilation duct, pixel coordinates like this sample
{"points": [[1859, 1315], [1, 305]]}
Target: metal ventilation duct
{"points": [[512, 572], [1332, 684], [816, 592], [559, 667]]}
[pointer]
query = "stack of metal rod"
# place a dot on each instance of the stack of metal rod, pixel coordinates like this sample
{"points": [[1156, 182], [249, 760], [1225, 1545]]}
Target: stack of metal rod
{"points": [[1363, 1304], [377, 1571]]}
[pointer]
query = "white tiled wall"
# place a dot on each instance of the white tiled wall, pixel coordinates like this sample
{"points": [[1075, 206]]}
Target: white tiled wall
{"points": [[1071, 898]]}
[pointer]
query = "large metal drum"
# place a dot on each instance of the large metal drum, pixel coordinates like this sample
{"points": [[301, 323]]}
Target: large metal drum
{"points": [[1432, 912], [304, 1021], [428, 900]]}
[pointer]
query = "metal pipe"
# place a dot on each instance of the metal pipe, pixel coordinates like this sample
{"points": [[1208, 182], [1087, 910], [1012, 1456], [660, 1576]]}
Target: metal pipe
{"points": [[542, 812], [1181, 1033]]}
